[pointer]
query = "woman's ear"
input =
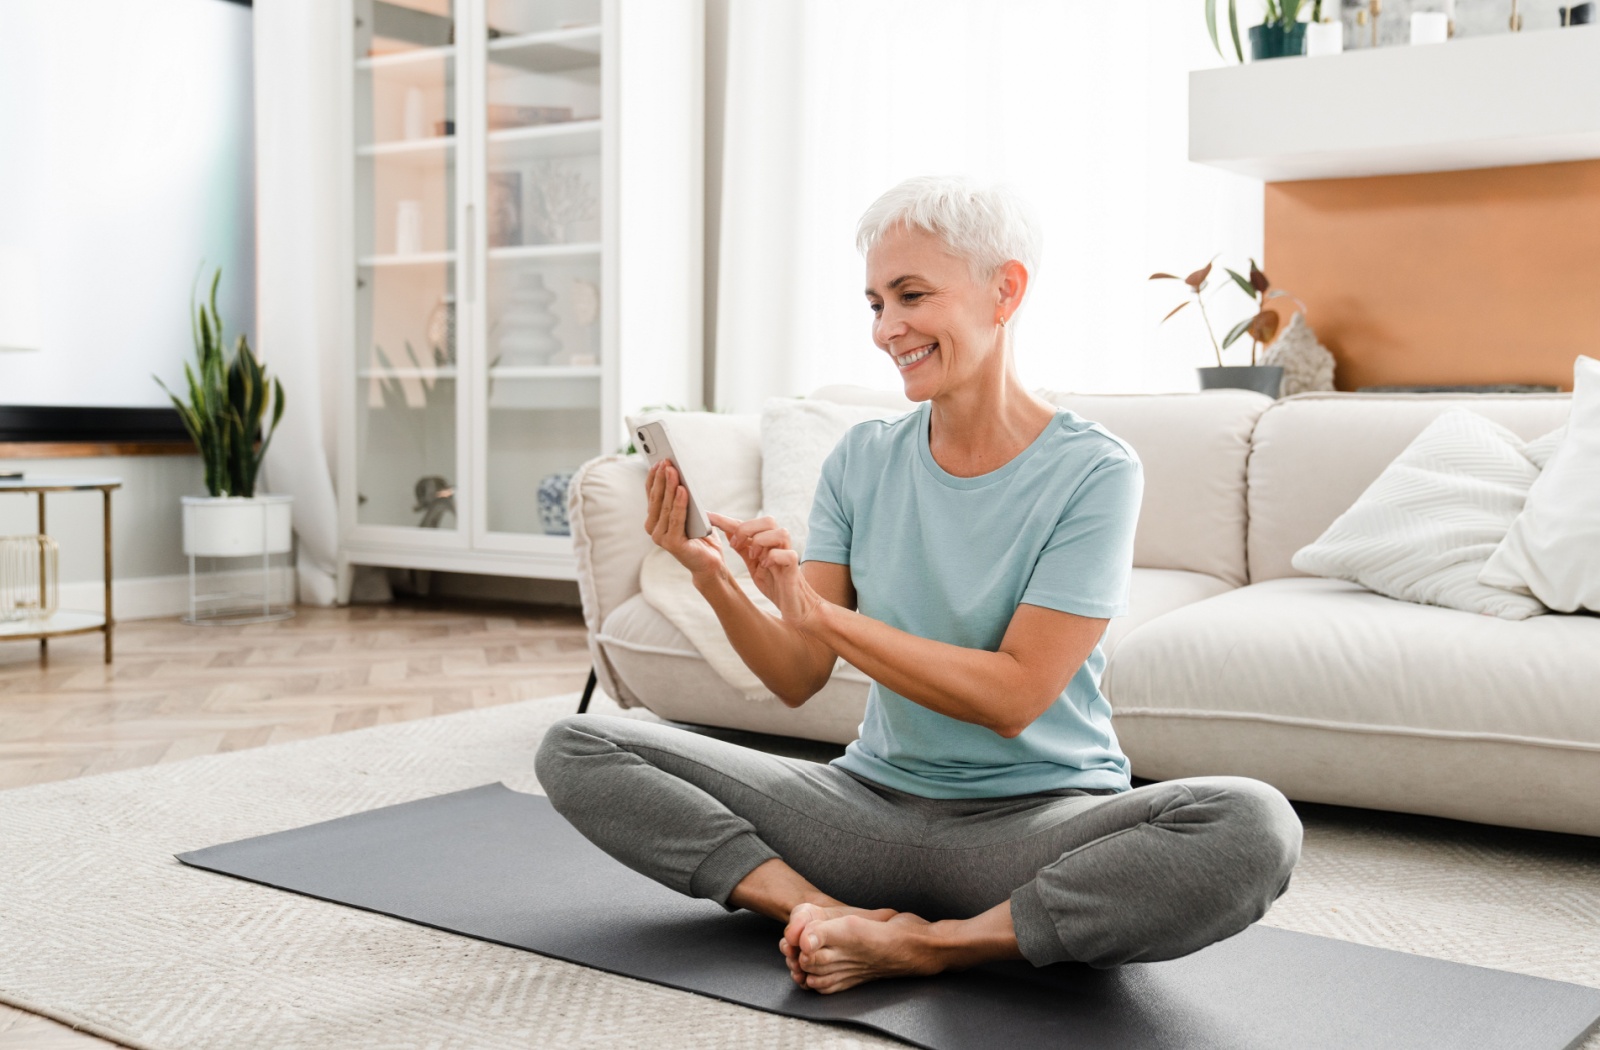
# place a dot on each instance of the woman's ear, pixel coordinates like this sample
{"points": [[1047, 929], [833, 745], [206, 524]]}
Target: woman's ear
{"points": [[1011, 284]]}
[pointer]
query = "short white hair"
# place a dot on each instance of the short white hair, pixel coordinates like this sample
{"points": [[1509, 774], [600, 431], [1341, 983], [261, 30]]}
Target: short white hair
{"points": [[985, 224]]}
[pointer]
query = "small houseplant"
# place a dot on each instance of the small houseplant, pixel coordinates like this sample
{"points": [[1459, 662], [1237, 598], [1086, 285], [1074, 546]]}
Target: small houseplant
{"points": [[1280, 33], [1261, 326], [226, 413]]}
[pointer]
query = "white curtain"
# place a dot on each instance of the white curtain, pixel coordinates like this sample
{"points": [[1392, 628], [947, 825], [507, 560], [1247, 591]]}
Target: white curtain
{"points": [[1079, 104], [297, 173]]}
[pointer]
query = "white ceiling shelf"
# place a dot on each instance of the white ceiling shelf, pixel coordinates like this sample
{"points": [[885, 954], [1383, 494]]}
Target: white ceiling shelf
{"points": [[1480, 102]]}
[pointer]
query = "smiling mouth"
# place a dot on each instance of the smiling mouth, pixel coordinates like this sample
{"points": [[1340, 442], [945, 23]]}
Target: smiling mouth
{"points": [[911, 357]]}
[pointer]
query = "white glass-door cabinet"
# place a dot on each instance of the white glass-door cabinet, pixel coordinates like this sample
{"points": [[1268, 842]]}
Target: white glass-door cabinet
{"points": [[524, 210]]}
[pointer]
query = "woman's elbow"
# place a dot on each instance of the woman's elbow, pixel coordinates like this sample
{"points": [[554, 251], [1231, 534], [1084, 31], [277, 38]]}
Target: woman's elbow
{"points": [[1014, 722]]}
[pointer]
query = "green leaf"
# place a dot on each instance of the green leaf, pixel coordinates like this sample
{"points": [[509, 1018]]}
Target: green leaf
{"points": [[1211, 27], [1242, 283], [1233, 27], [1236, 331]]}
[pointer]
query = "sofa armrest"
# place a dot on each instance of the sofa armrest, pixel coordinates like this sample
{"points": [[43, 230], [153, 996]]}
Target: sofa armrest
{"points": [[607, 508]]}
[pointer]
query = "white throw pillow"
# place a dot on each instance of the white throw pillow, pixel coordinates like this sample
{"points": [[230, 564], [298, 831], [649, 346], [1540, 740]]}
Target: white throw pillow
{"points": [[1552, 550], [1423, 530], [796, 436]]}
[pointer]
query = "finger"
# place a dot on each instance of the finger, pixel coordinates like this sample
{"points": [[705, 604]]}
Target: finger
{"points": [[771, 538], [723, 522], [783, 558], [652, 488], [754, 525], [680, 512]]}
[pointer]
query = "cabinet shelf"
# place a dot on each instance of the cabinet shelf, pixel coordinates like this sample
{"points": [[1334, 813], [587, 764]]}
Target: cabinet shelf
{"points": [[545, 372], [399, 59], [441, 372], [410, 151], [415, 259], [553, 51], [539, 141], [544, 251]]}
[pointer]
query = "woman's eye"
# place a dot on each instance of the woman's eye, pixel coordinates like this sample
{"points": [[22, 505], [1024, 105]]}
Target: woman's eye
{"points": [[911, 297], [876, 308]]}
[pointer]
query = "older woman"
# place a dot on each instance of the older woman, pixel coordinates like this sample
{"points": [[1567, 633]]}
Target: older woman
{"points": [[967, 557]]}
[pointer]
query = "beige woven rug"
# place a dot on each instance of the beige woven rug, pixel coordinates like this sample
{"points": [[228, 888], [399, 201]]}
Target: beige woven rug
{"points": [[102, 928]]}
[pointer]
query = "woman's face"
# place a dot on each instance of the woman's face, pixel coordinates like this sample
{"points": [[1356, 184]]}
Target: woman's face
{"points": [[937, 324]]}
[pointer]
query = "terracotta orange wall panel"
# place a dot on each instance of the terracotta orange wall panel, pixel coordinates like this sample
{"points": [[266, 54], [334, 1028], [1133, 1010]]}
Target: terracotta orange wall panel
{"points": [[1489, 276]]}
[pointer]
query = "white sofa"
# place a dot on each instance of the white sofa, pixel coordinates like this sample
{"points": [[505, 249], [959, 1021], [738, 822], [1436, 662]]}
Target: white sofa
{"points": [[1229, 661]]}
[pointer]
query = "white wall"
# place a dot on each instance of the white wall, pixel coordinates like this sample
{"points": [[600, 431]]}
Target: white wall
{"points": [[125, 163], [1080, 105]]}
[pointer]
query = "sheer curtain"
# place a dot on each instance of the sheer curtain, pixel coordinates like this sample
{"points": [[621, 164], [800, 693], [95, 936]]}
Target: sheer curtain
{"points": [[1082, 106], [297, 176]]}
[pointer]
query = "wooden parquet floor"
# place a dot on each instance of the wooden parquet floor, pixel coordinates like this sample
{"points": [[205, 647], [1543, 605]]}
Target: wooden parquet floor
{"points": [[176, 691]]}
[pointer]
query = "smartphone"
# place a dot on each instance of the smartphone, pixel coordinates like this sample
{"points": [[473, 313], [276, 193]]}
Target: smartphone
{"points": [[653, 441]]}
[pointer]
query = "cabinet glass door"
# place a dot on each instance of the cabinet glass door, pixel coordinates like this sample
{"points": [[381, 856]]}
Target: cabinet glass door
{"points": [[542, 199], [406, 174]]}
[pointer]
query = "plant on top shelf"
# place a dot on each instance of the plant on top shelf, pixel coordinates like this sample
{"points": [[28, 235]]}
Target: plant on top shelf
{"points": [[1280, 33], [229, 398]]}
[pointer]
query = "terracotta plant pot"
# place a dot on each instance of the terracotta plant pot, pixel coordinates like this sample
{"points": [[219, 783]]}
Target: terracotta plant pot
{"points": [[1265, 379]]}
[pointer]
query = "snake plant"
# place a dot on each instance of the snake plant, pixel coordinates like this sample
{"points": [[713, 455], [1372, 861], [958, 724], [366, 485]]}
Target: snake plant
{"points": [[228, 404]]}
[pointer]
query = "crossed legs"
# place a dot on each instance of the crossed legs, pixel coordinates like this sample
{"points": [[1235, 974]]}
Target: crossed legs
{"points": [[871, 882]]}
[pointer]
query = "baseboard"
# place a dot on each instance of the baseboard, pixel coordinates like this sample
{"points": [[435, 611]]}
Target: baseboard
{"points": [[141, 598]]}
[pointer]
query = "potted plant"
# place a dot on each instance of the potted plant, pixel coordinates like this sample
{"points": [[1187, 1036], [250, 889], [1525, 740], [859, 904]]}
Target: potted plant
{"points": [[229, 398], [1260, 326], [1280, 33]]}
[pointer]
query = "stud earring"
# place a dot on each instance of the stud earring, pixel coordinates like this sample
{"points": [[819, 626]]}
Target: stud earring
{"points": [[1002, 320]]}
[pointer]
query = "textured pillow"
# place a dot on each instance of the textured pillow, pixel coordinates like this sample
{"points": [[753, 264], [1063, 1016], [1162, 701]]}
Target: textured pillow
{"points": [[796, 436], [1423, 530], [1552, 550]]}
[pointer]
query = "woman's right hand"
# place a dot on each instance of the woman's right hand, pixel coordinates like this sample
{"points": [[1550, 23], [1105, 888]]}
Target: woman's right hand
{"points": [[669, 510]]}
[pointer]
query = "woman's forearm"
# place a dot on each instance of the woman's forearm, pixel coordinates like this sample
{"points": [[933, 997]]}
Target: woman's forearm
{"points": [[990, 689], [789, 663]]}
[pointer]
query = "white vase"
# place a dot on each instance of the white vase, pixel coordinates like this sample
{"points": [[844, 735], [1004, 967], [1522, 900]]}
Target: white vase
{"points": [[1324, 38], [237, 526]]}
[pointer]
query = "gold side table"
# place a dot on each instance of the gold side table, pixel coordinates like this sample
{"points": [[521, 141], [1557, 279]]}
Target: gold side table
{"points": [[66, 622]]}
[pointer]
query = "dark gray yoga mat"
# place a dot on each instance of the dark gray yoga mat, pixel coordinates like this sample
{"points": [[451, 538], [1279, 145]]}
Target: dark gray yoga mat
{"points": [[503, 866]]}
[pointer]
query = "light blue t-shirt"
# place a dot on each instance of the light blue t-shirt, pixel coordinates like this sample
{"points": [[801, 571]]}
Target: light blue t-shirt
{"points": [[951, 558]]}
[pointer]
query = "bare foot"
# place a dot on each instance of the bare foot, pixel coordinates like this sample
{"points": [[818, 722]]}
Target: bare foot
{"points": [[804, 914], [839, 952]]}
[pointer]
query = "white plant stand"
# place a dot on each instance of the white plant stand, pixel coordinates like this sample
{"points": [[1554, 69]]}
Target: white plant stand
{"points": [[240, 570]]}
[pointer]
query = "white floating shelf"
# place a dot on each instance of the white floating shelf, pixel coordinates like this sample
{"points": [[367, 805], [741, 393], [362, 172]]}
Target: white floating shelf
{"points": [[555, 51], [544, 251], [1480, 102]]}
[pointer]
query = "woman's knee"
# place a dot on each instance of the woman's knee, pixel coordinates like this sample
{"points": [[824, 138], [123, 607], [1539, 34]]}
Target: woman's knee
{"points": [[565, 745], [1263, 829]]}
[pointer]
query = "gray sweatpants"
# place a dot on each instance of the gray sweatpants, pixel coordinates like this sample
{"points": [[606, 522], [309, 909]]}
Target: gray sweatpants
{"points": [[1136, 876]]}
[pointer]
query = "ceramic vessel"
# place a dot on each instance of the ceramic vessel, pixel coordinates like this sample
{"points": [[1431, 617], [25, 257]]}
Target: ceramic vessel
{"points": [[553, 504], [1266, 379], [236, 526]]}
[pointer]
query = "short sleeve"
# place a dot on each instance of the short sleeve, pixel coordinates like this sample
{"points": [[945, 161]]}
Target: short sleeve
{"points": [[1086, 566], [828, 529]]}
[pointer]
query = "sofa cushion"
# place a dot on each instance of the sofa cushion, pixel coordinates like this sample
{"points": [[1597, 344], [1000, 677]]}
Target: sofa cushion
{"points": [[1312, 455], [1425, 528], [1335, 694], [1194, 448], [662, 669]]}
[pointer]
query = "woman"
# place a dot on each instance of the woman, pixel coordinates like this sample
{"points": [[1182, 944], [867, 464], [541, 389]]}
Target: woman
{"points": [[967, 557]]}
